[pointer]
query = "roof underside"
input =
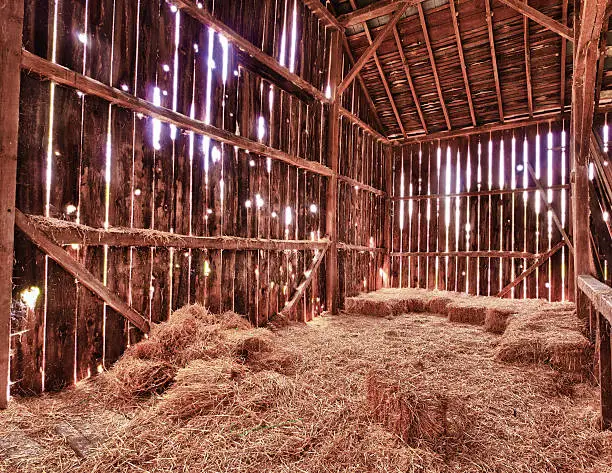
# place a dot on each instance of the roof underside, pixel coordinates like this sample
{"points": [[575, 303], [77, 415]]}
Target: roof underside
{"points": [[544, 60]]}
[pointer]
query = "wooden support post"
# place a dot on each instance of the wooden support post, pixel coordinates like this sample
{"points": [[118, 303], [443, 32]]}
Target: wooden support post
{"points": [[388, 221], [333, 150], [80, 272], [11, 25], [588, 29], [605, 371]]}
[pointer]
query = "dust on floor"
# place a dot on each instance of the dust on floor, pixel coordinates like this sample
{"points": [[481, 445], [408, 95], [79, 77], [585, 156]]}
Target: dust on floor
{"points": [[316, 418]]}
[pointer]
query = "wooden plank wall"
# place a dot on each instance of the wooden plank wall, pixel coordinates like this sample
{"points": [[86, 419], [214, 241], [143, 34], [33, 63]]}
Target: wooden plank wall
{"points": [[360, 211], [84, 160], [455, 199]]}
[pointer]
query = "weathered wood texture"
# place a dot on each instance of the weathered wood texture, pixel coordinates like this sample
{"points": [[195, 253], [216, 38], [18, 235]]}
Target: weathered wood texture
{"points": [[180, 163], [466, 210], [10, 34]]}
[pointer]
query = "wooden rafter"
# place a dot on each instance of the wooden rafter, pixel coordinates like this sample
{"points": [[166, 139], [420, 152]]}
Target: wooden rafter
{"points": [[527, 47], [358, 121], [406, 67], [323, 14], [489, 15], [80, 272], [600, 66], [541, 18], [466, 81], [383, 78], [365, 57], [432, 60], [362, 84], [563, 58], [374, 10]]}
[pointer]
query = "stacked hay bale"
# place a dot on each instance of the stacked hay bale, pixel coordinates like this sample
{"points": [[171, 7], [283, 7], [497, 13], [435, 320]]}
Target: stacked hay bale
{"points": [[550, 337], [418, 415]]}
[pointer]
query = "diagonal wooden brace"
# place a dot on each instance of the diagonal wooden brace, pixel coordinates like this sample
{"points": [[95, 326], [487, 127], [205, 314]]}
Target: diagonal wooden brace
{"points": [[76, 269]]}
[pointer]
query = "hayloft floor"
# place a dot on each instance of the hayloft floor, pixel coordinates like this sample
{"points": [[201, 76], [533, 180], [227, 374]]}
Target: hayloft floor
{"points": [[351, 393]]}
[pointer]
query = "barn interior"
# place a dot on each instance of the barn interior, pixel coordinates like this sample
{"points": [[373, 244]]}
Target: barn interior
{"points": [[305, 235]]}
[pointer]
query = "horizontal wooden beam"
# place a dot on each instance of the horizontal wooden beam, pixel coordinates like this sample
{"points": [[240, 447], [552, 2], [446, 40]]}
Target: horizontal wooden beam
{"points": [[362, 248], [497, 126], [374, 10], [359, 122], [369, 52], [518, 190], [539, 262], [87, 85], [69, 233], [301, 289], [541, 18], [205, 17], [359, 186], [76, 269], [323, 14], [598, 293], [469, 254]]}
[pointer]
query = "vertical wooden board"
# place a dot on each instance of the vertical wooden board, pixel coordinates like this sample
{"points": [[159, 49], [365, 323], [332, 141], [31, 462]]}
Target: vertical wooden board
{"points": [[531, 219], [160, 285], [93, 164], [180, 278], [442, 164], [199, 269], [485, 215], [411, 213], [474, 220], [70, 33], [143, 167], [115, 325], [148, 38], [100, 15], [120, 185], [462, 211], [451, 276], [496, 212], [433, 184], [141, 281], [28, 272], [543, 281], [90, 324], [557, 268], [183, 184], [213, 281], [508, 227], [36, 27], [125, 45], [240, 284], [228, 274], [519, 234]]}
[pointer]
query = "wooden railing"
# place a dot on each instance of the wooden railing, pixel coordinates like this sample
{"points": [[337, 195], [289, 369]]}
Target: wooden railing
{"points": [[595, 305]]}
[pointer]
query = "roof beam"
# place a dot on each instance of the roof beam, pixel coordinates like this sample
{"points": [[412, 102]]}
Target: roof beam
{"points": [[364, 88], [415, 97], [527, 46], [205, 17], [381, 73], [600, 66], [563, 59], [466, 81], [323, 14], [365, 57], [541, 18], [375, 10], [494, 59], [432, 60]]}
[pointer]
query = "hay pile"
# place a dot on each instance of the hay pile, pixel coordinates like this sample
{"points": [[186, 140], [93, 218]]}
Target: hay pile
{"points": [[342, 394], [547, 336]]}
